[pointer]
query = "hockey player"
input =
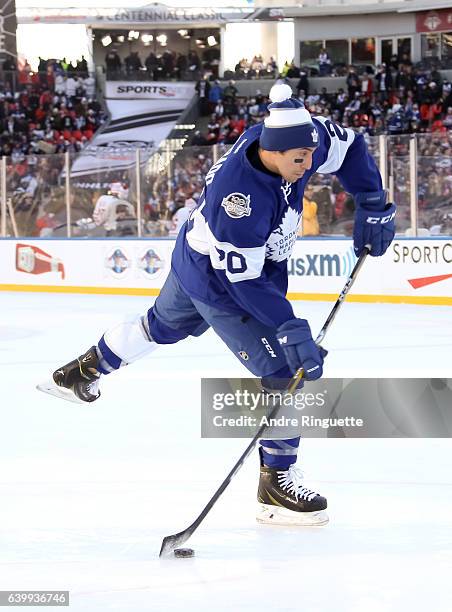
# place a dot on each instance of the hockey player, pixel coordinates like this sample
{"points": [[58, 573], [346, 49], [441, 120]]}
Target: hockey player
{"points": [[229, 272], [112, 207]]}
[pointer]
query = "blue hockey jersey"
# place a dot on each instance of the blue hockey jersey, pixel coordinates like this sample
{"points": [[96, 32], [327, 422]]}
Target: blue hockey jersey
{"points": [[233, 251]]}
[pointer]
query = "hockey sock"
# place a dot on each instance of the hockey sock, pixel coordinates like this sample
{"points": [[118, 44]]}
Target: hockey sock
{"points": [[279, 454], [123, 344]]}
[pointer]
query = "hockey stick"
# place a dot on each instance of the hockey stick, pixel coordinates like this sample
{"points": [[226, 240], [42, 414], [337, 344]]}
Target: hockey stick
{"points": [[174, 541]]}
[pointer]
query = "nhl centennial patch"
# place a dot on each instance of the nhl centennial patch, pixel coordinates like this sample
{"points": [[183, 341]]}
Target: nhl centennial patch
{"points": [[237, 205]]}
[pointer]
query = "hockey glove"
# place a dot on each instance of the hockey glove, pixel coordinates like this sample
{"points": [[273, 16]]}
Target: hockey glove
{"points": [[300, 349], [374, 223]]}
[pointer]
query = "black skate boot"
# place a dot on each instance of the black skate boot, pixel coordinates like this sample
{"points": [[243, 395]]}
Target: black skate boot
{"points": [[284, 500], [78, 380]]}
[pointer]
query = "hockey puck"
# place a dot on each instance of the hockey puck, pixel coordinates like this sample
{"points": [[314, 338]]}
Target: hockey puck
{"points": [[184, 553]]}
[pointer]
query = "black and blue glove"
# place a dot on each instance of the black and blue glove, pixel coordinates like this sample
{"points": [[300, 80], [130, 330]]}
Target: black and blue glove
{"points": [[300, 349], [374, 223]]}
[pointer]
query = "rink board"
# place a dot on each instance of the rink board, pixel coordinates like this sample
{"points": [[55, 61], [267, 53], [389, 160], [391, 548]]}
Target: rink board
{"points": [[417, 271]]}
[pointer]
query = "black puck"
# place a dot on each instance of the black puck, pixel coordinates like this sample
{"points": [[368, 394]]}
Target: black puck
{"points": [[184, 553]]}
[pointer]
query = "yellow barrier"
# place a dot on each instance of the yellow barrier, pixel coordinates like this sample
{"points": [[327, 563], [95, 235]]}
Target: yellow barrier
{"points": [[316, 297]]}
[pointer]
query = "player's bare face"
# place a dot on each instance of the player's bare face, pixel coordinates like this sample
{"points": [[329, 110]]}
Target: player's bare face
{"points": [[295, 162]]}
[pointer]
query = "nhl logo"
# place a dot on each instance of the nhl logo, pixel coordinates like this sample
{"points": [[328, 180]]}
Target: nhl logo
{"points": [[315, 136], [237, 205]]}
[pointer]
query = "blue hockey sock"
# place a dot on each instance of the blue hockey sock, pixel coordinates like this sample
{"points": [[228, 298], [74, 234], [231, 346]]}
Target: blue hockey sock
{"points": [[279, 454]]}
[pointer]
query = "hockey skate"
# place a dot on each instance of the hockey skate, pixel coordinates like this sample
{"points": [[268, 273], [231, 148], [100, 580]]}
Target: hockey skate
{"points": [[284, 500], [77, 381]]}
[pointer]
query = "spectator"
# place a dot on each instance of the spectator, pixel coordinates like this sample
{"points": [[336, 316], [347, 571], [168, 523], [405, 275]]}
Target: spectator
{"points": [[293, 71], [71, 85], [324, 63], [194, 63], [230, 92], [133, 63], [113, 63], [203, 89], [89, 85], [303, 84], [448, 118], [181, 216], [310, 223], [383, 79], [215, 94], [366, 86], [181, 65], [352, 82], [82, 67], [112, 208], [151, 64]]}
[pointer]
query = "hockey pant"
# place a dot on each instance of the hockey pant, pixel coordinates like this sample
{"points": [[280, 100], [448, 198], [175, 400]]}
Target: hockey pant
{"points": [[174, 317]]}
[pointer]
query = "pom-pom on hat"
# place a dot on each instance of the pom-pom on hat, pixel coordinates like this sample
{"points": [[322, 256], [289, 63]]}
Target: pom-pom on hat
{"points": [[289, 125]]}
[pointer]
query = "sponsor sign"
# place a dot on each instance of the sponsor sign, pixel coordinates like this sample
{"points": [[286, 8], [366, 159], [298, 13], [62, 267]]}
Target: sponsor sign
{"points": [[33, 260], [117, 265], [434, 21], [116, 262], [413, 271], [151, 264], [322, 264], [141, 116], [151, 14], [149, 91]]}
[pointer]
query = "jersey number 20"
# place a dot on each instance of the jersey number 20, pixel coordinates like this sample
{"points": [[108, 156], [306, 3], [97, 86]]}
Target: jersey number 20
{"points": [[235, 262]]}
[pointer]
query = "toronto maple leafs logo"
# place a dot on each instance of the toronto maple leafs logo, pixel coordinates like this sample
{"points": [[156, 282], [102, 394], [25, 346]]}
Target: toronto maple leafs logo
{"points": [[237, 205], [281, 241]]}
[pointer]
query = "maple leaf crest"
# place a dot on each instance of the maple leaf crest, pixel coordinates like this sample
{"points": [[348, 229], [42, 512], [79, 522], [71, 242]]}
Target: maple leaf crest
{"points": [[281, 241]]}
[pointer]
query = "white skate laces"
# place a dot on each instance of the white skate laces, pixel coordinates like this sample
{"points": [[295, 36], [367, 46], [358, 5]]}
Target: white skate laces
{"points": [[291, 480], [93, 387]]}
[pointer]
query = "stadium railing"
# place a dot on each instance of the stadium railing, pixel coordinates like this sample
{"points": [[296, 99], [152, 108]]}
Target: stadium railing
{"points": [[43, 195]]}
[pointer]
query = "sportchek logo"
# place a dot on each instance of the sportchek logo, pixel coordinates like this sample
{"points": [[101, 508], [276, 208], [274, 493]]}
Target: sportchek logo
{"points": [[422, 254], [435, 254], [160, 90], [417, 283], [322, 264]]}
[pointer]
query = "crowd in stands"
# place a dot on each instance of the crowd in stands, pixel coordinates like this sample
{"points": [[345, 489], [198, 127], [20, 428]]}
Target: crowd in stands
{"points": [[167, 196], [402, 101], [52, 110], [167, 65], [398, 100], [257, 68], [55, 110], [328, 209]]}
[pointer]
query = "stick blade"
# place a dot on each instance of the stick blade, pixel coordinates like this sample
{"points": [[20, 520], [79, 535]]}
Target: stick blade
{"points": [[171, 542]]}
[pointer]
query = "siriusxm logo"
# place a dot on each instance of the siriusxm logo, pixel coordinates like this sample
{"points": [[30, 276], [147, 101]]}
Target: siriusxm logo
{"points": [[322, 264]]}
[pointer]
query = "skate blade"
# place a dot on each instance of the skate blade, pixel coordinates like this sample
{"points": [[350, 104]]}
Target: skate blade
{"points": [[51, 388], [275, 515]]}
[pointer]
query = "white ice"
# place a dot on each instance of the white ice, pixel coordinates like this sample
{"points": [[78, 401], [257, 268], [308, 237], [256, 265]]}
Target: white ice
{"points": [[88, 492]]}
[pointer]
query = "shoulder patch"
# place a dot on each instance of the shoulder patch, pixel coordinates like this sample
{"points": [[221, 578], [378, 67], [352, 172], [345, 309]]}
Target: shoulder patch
{"points": [[237, 205]]}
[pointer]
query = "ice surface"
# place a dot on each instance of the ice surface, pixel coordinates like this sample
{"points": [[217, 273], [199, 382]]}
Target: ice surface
{"points": [[88, 492]]}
